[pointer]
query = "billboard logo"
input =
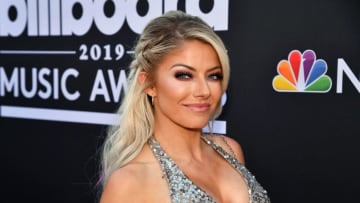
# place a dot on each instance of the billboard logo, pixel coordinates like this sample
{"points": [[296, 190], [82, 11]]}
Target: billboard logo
{"points": [[56, 18], [302, 72]]}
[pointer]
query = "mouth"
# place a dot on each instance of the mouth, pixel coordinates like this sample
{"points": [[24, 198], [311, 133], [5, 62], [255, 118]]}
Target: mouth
{"points": [[198, 107]]}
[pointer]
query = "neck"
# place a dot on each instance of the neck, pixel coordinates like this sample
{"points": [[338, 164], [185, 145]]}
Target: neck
{"points": [[180, 143]]}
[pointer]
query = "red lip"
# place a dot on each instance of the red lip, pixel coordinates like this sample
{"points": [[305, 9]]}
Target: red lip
{"points": [[198, 107]]}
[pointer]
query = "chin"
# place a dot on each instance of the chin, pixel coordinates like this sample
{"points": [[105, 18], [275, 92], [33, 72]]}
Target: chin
{"points": [[196, 125]]}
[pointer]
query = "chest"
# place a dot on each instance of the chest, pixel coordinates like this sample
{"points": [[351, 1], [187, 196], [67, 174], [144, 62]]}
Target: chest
{"points": [[219, 180]]}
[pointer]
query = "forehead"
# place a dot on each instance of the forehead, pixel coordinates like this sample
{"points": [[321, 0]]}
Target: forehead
{"points": [[194, 53]]}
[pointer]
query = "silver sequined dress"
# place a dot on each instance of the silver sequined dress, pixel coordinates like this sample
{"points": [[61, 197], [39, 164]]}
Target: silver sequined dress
{"points": [[182, 189]]}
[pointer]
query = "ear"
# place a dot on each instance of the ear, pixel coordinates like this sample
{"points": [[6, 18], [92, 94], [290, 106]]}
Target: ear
{"points": [[151, 91], [142, 79]]}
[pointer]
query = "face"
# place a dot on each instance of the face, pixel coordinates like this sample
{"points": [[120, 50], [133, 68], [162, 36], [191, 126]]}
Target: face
{"points": [[187, 86]]}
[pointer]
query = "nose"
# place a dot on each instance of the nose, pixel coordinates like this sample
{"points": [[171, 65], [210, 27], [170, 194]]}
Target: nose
{"points": [[202, 88]]}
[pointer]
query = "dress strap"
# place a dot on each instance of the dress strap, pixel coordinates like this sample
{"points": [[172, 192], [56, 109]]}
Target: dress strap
{"points": [[257, 194], [228, 146]]}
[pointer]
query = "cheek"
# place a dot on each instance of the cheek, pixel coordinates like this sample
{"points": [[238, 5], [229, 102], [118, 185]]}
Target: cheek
{"points": [[170, 89], [216, 90]]}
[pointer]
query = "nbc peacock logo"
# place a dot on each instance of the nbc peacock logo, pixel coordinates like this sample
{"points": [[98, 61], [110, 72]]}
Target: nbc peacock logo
{"points": [[302, 72]]}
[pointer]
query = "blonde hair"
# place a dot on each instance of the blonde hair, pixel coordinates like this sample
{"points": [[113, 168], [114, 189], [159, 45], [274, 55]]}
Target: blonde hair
{"points": [[161, 35]]}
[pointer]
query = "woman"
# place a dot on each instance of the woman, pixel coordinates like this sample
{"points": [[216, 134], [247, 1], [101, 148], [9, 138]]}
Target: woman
{"points": [[158, 153]]}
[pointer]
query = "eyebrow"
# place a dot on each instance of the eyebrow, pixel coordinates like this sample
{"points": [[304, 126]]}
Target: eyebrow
{"points": [[192, 68]]}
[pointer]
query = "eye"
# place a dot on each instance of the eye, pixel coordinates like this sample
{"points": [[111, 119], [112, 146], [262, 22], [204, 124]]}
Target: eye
{"points": [[183, 75], [216, 76]]}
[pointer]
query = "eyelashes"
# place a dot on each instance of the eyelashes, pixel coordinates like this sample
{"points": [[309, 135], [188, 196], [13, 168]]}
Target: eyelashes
{"points": [[185, 75], [216, 76]]}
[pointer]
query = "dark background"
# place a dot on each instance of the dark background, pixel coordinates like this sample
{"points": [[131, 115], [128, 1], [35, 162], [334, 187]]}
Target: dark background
{"points": [[301, 147]]}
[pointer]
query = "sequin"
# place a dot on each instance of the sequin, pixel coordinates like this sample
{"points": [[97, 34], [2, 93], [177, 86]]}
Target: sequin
{"points": [[182, 189]]}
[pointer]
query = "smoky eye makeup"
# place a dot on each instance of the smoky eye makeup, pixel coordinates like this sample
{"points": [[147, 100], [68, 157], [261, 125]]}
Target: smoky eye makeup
{"points": [[183, 75], [187, 73], [216, 76]]}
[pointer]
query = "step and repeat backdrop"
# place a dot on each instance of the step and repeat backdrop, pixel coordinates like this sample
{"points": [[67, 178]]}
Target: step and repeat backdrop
{"points": [[293, 102]]}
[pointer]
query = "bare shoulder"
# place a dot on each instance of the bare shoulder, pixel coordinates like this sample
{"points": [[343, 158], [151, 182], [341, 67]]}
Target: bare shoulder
{"points": [[136, 181], [230, 145], [121, 183]]}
